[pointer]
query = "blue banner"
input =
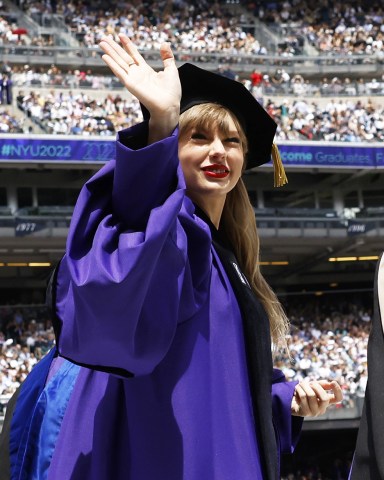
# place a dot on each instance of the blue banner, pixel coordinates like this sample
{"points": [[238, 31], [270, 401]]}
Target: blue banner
{"points": [[55, 150], [331, 156], [95, 149]]}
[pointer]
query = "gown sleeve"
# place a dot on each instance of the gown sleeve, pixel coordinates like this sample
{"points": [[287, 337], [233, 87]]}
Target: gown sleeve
{"points": [[137, 260], [288, 427]]}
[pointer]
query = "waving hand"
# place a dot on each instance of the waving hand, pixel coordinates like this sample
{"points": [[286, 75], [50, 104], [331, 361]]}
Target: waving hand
{"points": [[159, 92]]}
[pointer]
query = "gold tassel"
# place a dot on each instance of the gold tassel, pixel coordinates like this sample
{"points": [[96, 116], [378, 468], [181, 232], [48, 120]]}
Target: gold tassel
{"points": [[278, 167]]}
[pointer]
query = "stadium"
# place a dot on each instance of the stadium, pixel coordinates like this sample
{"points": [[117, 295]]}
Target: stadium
{"points": [[316, 67]]}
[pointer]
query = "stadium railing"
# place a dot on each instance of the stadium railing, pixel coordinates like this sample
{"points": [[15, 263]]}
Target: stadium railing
{"points": [[364, 65], [53, 221], [316, 88]]}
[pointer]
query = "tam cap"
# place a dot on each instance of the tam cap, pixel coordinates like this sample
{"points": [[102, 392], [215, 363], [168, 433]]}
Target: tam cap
{"points": [[202, 86]]}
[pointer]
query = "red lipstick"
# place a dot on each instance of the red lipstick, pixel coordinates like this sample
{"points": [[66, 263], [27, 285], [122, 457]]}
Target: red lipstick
{"points": [[216, 171]]}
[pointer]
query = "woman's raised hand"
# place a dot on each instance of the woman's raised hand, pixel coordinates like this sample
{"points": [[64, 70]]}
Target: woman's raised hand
{"points": [[159, 92]]}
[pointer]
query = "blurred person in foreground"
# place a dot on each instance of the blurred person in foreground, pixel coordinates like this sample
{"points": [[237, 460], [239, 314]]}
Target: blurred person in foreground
{"points": [[164, 324], [368, 460]]}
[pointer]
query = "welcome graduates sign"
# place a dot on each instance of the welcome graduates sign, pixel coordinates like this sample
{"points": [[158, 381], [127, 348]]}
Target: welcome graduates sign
{"points": [[46, 148]]}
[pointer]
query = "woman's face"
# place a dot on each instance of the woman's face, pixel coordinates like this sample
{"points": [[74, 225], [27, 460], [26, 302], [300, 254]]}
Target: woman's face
{"points": [[211, 160]]}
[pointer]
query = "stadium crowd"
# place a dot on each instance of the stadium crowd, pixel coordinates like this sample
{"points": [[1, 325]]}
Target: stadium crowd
{"points": [[278, 83], [199, 26], [326, 342], [79, 113], [26, 335], [337, 120], [329, 27]]}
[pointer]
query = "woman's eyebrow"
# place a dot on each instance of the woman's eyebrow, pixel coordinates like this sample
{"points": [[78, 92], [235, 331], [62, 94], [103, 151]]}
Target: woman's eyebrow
{"points": [[232, 133]]}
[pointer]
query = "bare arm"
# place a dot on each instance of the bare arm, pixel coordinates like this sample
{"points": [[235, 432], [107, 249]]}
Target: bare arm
{"points": [[159, 92]]}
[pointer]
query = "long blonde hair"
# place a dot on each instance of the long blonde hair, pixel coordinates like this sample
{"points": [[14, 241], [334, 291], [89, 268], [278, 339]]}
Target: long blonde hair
{"points": [[238, 220]]}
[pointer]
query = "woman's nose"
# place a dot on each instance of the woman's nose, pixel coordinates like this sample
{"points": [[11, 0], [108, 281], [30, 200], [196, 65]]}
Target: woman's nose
{"points": [[217, 147]]}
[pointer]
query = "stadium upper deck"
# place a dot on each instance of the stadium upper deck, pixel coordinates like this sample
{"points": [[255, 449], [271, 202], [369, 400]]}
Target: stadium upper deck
{"points": [[242, 34]]}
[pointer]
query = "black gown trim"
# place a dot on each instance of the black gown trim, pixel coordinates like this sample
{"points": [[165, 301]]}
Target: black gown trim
{"points": [[5, 459], [368, 460], [257, 339]]}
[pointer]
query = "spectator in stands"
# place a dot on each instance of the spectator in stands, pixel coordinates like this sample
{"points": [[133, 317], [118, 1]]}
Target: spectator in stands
{"points": [[6, 68], [284, 114], [9, 124], [5, 89], [226, 71], [298, 85], [2, 340], [141, 294], [256, 78], [277, 80]]}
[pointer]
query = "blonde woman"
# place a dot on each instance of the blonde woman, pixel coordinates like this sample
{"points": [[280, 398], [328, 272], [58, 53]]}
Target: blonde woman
{"points": [[163, 365]]}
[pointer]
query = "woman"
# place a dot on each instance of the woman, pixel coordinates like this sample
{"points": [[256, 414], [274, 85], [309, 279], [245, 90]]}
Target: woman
{"points": [[163, 364]]}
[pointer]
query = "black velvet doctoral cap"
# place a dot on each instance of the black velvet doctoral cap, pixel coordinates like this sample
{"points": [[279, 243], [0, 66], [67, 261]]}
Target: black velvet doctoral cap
{"points": [[201, 86]]}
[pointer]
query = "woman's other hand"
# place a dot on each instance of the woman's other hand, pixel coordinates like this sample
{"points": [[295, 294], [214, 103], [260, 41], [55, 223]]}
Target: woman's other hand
{"points": [[312, 399]]}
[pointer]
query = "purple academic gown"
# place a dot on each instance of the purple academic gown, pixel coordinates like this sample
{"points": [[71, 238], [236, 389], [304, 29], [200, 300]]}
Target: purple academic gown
{"points": [[142, 295]]}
